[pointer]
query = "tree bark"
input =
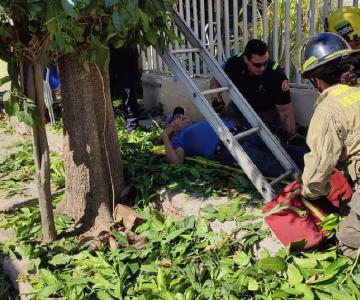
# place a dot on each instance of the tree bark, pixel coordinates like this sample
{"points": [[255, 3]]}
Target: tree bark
{"points": [[41, 152], [92, 161]]}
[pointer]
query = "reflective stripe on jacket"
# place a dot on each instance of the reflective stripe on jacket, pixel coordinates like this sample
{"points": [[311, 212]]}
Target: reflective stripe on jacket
{"points": [[333, 138]]}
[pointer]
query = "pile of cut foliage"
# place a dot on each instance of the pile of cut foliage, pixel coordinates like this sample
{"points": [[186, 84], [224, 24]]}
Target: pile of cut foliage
{"points": [[180, 259]]}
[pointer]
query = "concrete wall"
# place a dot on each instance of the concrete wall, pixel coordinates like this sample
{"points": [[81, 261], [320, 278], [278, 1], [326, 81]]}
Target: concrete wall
{"points": [[165, 89]]}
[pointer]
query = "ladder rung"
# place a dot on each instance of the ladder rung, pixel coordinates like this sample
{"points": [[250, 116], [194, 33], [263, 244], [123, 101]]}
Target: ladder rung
{"points": [[247, 133], [215, 91], [185, 50], [281, 177]]}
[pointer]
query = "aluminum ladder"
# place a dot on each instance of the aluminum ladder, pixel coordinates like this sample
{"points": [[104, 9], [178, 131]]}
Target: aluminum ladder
{"points": [[264, 187]]}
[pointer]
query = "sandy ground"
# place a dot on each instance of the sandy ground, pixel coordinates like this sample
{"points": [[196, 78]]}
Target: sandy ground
{"points": [[9, 143]]}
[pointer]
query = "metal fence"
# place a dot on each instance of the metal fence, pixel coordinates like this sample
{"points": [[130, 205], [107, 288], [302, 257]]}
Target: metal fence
{"points": [[225, 26]]}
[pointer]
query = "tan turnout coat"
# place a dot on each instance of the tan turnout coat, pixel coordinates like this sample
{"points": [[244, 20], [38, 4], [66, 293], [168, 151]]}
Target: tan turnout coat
{"points": [[333, 138]]}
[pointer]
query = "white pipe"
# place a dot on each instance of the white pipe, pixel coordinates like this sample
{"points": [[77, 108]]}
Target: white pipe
{"points": [[236, 26]]}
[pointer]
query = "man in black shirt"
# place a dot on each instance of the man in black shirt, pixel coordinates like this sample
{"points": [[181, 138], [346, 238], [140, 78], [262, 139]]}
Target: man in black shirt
{"points": [[263, 84]]}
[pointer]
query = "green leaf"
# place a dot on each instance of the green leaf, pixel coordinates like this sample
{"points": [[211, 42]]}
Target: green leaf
{"points": [[252, 285], [119, 42], [48, 277], [356, 278], [195, 173], [60, 259], [294, 275], [152, 37], [323, 296], [174, 234], [306, 290], [109, 3], [341, 295], [331, 222], [4, 80], [118, 20], [145, 21], [202, 225], [49, 290], [68, 6], [306, 263], [103, 295], [11, 106], [120, 238], [241, 258], [25, 117], [273, 264], [161, 280]]}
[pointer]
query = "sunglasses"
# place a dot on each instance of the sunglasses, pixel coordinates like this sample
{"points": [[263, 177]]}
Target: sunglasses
{"points": [[260, 64]]}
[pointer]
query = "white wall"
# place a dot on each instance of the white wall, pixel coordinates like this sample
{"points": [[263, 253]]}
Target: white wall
{"points": [[163, 88]]}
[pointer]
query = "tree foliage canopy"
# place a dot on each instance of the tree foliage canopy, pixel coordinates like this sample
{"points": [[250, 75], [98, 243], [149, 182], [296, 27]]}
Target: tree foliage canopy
{"points": [[39, 31], [45, 29]]}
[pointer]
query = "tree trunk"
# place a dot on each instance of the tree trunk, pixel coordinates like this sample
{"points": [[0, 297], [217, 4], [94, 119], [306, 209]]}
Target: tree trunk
{"points": [[92, 161], [41, 152]]}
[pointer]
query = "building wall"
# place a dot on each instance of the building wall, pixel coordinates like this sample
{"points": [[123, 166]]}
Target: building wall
{"points": [[164, 89]]}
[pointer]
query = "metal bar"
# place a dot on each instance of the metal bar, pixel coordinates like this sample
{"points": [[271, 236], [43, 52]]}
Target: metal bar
{"points": [[227, 28], [236, 26], [211, 28], [245, 22], [340, 3], [265, 20], [287, 38], [325, 14], [188, 22], [275, 43], [218, 31], [247, 133], [186, 50], [254, 18], [202, 29], [153, 55], [298, 32], [149, 58], [144, 61], [159, 62], [182, 45], [312, 16], [356, 3], [281, 177], [215, 91], [196, 31]]}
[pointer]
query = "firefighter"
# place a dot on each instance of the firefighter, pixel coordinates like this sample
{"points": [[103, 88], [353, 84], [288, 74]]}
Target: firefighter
{"points": [[345, 22], [334, 131]]}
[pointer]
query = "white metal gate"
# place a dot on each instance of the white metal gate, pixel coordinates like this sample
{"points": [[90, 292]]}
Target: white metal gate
{"points": [[224, 26]]}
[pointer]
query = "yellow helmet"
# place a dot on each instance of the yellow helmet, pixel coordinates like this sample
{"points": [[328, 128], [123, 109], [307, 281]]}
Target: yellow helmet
{"points": [[345, 22]]}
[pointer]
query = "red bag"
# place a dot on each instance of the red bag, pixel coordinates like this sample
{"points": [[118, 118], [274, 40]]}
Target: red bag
{"points": [[291, 221]]}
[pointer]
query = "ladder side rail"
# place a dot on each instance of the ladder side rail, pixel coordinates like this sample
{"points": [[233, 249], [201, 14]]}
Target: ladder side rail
{"points": [[219, 127], [254, 120]]}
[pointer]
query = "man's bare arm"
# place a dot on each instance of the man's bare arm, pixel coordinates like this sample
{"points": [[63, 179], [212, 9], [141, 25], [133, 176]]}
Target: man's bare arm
{"points": [[287, 117], [174, 156], [214, 84]]}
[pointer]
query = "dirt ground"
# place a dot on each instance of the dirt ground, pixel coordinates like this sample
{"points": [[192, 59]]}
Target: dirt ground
{"points": [[10, 143]]}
